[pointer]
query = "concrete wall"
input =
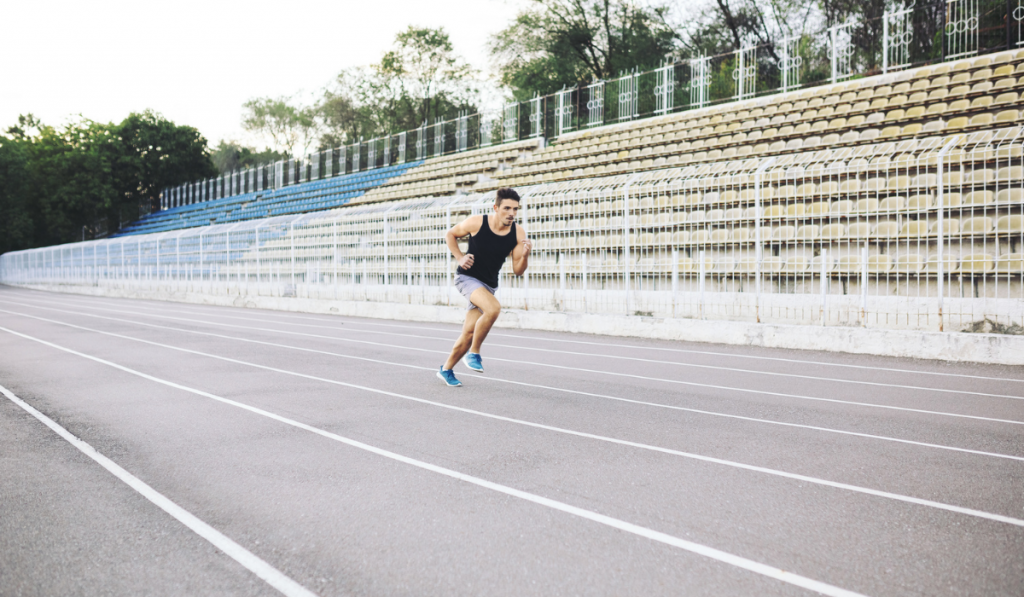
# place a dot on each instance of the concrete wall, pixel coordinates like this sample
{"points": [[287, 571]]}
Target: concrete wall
{"points": [[954, 346]]}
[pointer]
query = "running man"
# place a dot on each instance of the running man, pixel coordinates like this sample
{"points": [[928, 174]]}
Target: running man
{"points": [[493, 238]]}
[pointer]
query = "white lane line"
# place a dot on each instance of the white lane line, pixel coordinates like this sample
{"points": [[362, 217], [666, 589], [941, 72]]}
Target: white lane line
{"points": [[673, 381], [697, 548], [555, 351], [562, 430], [212, 311], [339, 338], [540, 386], [246, 558]]}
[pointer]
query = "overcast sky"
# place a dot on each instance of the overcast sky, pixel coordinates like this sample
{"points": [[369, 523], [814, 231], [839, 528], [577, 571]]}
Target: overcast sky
{"points": [[196, 62]]}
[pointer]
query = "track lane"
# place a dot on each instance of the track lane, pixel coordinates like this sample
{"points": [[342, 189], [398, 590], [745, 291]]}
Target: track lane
{"points": [[927, 369], [583, 370], [550, 530], [999, 476], [729, 489]]}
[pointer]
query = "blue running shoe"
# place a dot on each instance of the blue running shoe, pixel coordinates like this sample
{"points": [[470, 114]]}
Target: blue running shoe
{"points": [[448, 377], [472, 360]]}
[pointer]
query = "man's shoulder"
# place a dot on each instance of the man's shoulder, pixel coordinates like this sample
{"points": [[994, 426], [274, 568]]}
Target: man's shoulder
{"points": [[520, 231]]}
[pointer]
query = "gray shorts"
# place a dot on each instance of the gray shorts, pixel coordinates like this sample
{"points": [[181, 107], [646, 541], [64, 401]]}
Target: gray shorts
{"points": [[467, 284]]}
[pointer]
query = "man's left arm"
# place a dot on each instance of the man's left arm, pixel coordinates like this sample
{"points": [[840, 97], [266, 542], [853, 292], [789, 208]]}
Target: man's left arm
{"points": [[521, 254]]}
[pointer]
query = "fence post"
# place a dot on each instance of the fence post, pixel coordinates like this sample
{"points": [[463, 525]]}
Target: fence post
{"points": [[759, 242], [885, 42], [201, 256], [702, 275], [940, 249], [583, 273], [561, 281], [625, 244], [291, 238], [832, 33], [864, 285], [824, 285]]}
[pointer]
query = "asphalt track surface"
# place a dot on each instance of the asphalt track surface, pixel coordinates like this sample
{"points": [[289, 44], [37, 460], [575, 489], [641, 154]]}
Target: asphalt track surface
{"points": [[247, 452]]}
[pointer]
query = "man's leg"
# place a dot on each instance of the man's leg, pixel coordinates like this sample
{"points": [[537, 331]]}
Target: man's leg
{"points": [[465, 339], [490, 308]]}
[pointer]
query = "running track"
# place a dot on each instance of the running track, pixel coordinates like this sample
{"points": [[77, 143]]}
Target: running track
{"points": [[230, 451]]}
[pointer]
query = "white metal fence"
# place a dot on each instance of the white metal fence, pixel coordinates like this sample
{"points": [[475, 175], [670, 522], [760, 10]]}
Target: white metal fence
{"points": [[923, 234]]}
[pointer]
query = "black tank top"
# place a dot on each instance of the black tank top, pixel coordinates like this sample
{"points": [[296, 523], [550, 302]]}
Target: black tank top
{"points": [[489, 252]]}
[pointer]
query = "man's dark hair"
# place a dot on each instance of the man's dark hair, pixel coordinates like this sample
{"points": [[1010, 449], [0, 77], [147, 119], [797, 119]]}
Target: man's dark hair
{"points": [[505, 193]]}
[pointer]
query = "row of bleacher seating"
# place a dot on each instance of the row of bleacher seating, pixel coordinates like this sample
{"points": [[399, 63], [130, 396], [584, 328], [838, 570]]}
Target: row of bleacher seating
{"points": [[797, 120], [887, 229], [853, 265], [300, 198], [445, 175]]}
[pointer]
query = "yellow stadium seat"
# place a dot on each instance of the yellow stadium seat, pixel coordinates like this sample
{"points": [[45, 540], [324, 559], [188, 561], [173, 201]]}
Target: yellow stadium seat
{"points": [[919, 202], [1010, 173], [1007, 116], [887, 229], [700, 237], [893, 203], [952, 199], [1011, 223], [859, 230], [977, 263], [819, 208], [795, 264], [890, 131], [979, 198], [957, 123], [848, 264], [976, 225], [915, 228], [720, 235], [784, 233], [833, 231], [982, 119], [867, 205], [808, 232], [909, 263], [879, 264], [841, 207], [1012, 263]]}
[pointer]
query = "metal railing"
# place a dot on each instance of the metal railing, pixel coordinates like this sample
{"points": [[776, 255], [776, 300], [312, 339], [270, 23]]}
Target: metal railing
{"points": [[922, 233], [902, 38]]}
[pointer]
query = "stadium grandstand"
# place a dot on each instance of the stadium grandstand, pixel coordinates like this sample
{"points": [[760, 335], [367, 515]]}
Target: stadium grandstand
{"points": [[709, 188]]}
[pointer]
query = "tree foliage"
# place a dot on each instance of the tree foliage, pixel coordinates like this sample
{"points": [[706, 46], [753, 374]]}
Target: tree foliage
{"points": [[558, 43], [58, 184], [419, 79], [229, 156]]}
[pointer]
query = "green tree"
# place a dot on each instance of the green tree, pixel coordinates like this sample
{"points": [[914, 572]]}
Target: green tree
{"points": [[151, 153], [420, 79], [231, 155], [558, 43], [86, 178], [291, 128], [16, 218]]}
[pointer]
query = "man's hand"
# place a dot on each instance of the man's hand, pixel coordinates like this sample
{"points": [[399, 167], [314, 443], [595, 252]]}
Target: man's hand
{"points": [[467, 261], [527, 246]]}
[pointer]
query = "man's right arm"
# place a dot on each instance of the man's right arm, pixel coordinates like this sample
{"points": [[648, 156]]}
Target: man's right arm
{"points": [[451, 238]]}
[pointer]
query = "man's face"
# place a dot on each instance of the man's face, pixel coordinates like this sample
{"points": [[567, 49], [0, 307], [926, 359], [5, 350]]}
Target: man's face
{"points": [[506, 211]]}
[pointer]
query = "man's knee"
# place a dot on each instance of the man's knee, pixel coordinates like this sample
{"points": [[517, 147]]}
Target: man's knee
{"points": [[492, 310]]}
